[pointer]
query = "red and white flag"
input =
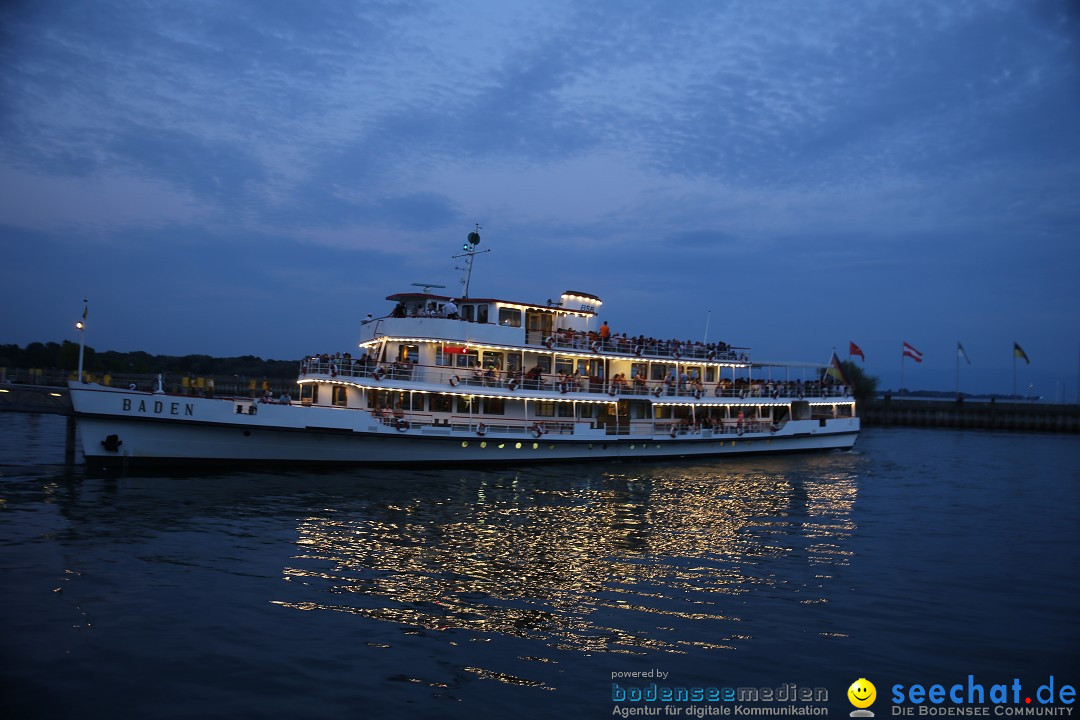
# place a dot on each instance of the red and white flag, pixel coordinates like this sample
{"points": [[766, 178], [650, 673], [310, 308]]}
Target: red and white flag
{"points": [[855, 350], [912, 353]]}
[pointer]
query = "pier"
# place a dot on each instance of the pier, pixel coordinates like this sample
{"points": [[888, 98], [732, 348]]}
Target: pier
{"points": [[886, 411], [50, 394]]}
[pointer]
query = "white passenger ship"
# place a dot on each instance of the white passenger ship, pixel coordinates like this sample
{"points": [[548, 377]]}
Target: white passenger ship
{"points": [[484, 380]]}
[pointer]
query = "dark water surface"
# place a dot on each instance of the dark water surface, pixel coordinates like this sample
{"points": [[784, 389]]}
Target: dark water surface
{"points": [[922, 556]]}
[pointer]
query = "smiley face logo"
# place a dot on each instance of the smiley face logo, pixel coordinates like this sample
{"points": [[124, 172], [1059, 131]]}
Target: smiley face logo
{"points": [[862, 693]]}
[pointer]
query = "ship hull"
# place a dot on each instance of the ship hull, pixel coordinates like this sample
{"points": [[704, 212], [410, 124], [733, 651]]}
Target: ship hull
{"points": [[120, 428]]}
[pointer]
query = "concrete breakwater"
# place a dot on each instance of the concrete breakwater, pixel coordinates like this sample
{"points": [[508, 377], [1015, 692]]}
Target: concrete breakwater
{"points": [[980, 414]]}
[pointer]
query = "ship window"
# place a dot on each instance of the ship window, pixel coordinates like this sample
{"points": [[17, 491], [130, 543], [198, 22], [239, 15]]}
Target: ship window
{"points": [[659, 371], [481, 313], [539, 322], [341, 396], [468, 359], [439, 403], [494, 406], [404, 398], [545, 409], [638, 370], [463, 404], [467, 312], [710, 374], [587, 410], [493, 358], [544, 363], [663, 412], [566, 410], [309, 393], [409, 352], [511, 317], [694, 372], [564, 365], [513, 362]]}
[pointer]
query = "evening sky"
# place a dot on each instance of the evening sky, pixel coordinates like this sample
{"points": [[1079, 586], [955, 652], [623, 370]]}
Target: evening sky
{"points": [[236, 178]]}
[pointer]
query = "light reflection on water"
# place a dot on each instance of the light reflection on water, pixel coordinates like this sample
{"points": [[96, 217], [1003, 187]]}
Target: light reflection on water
{"points": [[626, 561]]}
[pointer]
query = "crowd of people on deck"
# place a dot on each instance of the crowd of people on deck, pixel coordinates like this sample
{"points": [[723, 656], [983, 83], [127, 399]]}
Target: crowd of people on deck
{"points": [[489, 375], [604, 339]]}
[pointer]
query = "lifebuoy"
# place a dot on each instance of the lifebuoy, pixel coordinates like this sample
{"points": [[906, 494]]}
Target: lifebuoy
{"points": [[513, 384], [333, 370], [637, 350], [742, 393], [564, 387], [481, 429], [454, 380], [537, 430], [401, 425], [548, 342], [674, 431], [657, 391], [596, 346], [712, 355], [379, 374], [697, 394]]}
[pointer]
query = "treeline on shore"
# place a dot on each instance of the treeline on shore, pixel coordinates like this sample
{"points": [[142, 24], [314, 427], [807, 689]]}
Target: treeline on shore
{"points": [[65, 356]]}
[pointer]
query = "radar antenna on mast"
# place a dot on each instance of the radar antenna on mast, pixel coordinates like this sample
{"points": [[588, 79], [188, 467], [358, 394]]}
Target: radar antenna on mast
{"points": [[427, 287], [469, 253]]}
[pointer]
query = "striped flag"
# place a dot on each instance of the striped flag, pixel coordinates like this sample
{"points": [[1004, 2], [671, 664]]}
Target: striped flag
{"points": [[911, 352], [960, 352], [837, 370], [856, 350], [1019, 352]]}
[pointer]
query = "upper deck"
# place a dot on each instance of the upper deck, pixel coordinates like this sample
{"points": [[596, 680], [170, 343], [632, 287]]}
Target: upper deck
{"points": [[570, 327]]}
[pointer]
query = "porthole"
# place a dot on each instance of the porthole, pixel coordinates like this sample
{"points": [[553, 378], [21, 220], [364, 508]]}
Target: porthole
{"points": [[464, 443], [517, 446], [483, 444]]}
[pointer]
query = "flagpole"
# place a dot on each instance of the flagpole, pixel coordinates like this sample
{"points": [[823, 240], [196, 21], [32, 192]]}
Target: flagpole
{"points": [[901, 371], [1014, 371], [957, 369], [708, 315], [81, 326]]}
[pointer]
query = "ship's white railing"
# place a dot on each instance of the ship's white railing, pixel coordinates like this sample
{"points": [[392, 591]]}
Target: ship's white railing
{"points": [[673, 349], [560, 385]]}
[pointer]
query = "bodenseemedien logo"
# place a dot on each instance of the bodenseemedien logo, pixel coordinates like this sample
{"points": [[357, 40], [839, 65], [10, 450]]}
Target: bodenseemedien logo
{"points": [[862, 694]]}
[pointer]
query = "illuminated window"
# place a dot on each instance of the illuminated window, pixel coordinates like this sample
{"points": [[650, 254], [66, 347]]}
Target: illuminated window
{"points": [[510, 317], [545, 409], [440, 403]]}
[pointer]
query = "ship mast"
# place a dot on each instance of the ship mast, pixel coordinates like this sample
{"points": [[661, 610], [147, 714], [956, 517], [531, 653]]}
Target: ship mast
{"points": [[469, 253]]}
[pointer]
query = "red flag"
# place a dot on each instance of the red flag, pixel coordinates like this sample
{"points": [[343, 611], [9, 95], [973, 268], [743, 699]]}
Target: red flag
{"points": [[856, 350], [454, 350], [912, 353]]}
